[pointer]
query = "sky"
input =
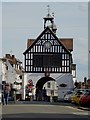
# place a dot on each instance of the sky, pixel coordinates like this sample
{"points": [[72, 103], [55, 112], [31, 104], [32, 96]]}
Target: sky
{"points": [[89, 41], [24, 20]]}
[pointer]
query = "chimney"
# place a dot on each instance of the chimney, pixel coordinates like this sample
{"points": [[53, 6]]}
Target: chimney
{"points": [[85, 80], [13, 56], [8, 56]]}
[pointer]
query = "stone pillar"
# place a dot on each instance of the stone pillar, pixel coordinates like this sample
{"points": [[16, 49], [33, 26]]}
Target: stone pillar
{"points": [[24, 82]]}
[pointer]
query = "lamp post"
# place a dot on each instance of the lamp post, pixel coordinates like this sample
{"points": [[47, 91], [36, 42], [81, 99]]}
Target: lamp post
{"points": [[73, 68], [85, 82]]}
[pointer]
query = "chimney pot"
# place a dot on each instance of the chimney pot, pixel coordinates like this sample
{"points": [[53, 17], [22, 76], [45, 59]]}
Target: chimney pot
{"points": [[8, 56], [13, 56]]}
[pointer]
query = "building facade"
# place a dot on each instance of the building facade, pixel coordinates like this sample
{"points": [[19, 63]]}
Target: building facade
{"points": [[48, 59], [12, 72]]}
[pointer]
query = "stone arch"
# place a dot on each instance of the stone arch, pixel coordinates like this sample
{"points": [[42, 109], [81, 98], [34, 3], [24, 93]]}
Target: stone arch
{"points": [[42, 81], [40, 89]]}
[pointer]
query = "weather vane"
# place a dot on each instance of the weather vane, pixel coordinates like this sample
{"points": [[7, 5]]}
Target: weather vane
{"points": [[53, 14], [48, 6]]}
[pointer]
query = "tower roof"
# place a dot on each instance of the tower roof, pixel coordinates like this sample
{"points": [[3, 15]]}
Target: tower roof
{"points": [[48, 16], [49, 21]]}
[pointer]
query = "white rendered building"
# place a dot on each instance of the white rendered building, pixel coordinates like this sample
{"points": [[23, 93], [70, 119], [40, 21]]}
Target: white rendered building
{"points": [[11, 72]]}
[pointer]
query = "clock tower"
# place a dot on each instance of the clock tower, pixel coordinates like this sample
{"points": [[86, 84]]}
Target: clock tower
{"points": [[49, 21]]}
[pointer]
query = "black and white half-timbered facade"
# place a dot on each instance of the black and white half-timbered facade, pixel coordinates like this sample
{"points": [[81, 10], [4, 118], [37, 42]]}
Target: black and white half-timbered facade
{"points": [[47, 54], [49, 58]]}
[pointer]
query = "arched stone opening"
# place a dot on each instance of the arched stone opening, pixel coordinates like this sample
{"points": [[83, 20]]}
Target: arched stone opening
{"points": [[41, 87], [42, 81]]}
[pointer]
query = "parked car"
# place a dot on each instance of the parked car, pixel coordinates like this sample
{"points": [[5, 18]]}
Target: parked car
{"points": [[75, 98], [85, 99], [67, 96], [0, 97]]}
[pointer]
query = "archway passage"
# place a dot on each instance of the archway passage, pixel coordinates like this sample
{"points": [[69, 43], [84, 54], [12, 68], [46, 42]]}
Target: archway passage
{"points": [[42, 81], [41, 90]]}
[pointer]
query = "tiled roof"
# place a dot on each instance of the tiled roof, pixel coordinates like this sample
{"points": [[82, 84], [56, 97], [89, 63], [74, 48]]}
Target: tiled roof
{"points": [[30, 42], [11, 58], [67, 42], [18, 71]]}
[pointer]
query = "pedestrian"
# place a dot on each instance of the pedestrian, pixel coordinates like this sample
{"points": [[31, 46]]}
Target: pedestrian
{"points": [[37, 93], [44, 94], [40, 94], [2, 97], [5, 95]]}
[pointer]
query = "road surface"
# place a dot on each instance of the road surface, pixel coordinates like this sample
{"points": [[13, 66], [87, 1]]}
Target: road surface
{"points": [[43, 111]]}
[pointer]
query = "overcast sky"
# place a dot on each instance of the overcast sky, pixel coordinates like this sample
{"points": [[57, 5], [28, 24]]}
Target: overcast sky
{"points": [[24, 20]]}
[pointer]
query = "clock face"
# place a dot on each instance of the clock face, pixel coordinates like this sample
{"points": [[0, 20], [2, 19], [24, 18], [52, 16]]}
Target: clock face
{"points": [[47, 45]]}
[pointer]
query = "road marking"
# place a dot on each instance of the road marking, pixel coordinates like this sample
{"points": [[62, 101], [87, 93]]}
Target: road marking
{"points": [[74, 108], [27, 105], [41, 105], [81, 113]]}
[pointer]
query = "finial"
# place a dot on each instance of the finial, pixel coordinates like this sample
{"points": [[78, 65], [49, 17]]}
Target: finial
{"points": [[48, 6]]}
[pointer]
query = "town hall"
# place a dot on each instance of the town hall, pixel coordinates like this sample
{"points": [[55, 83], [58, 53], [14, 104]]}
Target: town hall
{"points": [[48, 59]]}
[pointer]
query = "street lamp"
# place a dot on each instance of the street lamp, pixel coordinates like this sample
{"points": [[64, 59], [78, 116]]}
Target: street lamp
{"points": [[73, 68]]}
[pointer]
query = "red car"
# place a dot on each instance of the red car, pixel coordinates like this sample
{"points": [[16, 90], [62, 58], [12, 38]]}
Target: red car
{"points": [[85, 99]]}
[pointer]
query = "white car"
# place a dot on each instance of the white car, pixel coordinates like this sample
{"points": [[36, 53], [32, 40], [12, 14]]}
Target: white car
{"points": [[67, 96]]}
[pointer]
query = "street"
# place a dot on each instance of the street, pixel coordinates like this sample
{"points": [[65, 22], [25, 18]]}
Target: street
{"points": [[55, 111]]}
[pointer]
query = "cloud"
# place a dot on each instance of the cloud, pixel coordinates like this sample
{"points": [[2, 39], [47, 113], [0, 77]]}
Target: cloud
{"points": [[83, 6], [0, 30], [80, 54], [81, 51], [70, 20], [45, 1]]}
